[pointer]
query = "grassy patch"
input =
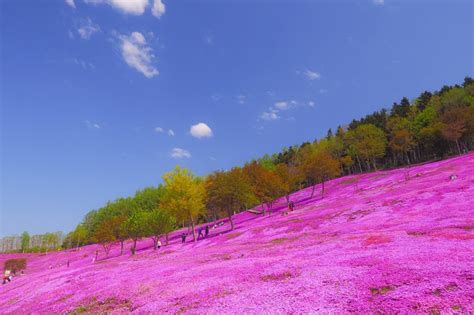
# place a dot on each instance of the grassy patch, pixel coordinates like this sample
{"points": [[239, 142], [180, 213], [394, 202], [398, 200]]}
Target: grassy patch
{"points": [[279, 240], [390, 202], [233, 235], [376, 239], [468, 227], [381, 290], [416, 233], [456, 307], [101, 307], [277, 276], [349, 181], [448, 288]]}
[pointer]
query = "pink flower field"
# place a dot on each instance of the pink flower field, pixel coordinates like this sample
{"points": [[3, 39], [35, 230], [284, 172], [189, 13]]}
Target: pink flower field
{"points": [[399, 241]]}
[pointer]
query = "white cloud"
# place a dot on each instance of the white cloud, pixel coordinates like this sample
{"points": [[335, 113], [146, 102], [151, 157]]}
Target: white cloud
{"points": [[87, 29], [178, 153], [311, 75], [137, 54], [158, 8], [84, 64], [241, 99], [171, 133], [159, 129], [270, 115], [201, 130], [378, 2], [216, 97], [282, 105], [136, 7], [91, 125], [71, 3]]}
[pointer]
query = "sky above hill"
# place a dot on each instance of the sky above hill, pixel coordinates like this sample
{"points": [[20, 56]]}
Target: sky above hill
{"points": [[100, 97]]}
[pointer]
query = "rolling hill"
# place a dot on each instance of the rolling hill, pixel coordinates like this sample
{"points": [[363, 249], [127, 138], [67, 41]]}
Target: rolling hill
{"points": [[398, 241]]}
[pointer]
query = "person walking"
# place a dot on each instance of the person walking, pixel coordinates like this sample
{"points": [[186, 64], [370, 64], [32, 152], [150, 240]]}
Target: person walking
{"points": [[159, 244], [207, 230], [200, 233], [183, 238]]}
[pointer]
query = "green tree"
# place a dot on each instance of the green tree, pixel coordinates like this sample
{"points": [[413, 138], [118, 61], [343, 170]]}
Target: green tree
{"points": [[318, 167], [291, 177], [25, 241], [184, 195], [229, 192], [119, 229], [104, 235], [455, 123], [401, 139], [136, 227], [160, 222], [367, 142]]}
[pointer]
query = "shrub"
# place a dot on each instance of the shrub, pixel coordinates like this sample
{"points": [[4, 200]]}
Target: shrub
{"points": [[15, 265]]}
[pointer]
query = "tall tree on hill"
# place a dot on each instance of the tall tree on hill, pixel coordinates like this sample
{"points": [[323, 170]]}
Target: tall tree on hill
{"points": [[401, 140], [119, 230], [291, 177], [184, 194], [160, 222], [229, 192], [455, 123], [368, 143], [104, 235], [273, 187], [255, 174], [25, 241], [148, 199], [318, 167], [136, 227]]}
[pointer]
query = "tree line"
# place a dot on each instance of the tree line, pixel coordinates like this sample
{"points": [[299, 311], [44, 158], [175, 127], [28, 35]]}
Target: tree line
{"points": [[432, 126], [26, 243]]}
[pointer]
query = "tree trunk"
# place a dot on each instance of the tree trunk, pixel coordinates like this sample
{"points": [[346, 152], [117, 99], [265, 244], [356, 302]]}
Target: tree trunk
{"points": [[312, 192], [167, 238], [459, 148], [134, 247], [322, 190], [231, 221], [155, 242], [193, 230], [263, 208], [360, 164], [121, 247]]}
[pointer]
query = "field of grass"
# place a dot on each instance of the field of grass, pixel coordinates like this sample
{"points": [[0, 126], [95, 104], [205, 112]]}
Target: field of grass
{"points": [[399, 241]]}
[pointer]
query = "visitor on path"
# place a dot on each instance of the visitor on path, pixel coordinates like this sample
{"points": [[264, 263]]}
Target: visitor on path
{"points": [[291, 206], [200, 233], [159, 244], [207, 230], [7, 277], [183, 238]]}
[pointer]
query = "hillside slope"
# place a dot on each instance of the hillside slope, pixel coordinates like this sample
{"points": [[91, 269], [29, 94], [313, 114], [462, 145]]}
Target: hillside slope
{"points": [[375, 242]]}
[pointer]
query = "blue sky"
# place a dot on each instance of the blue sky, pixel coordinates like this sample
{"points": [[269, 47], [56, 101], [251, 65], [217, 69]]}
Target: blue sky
{"points": [[98, 97]]}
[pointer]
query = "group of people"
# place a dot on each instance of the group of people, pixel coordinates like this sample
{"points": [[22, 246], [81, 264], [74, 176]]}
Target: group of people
{"points": [[203, 232]]}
